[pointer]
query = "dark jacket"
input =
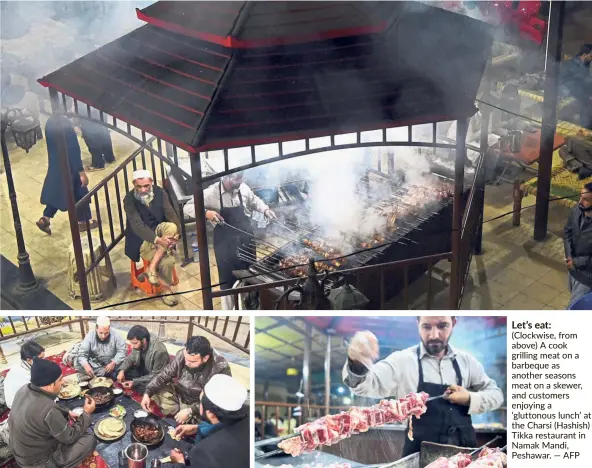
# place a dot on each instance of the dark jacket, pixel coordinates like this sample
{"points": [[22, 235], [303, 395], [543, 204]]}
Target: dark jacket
{"points": [[142, 220], [38, 426], [228, 447], [187, 383], [578, 245], [53, 193], [156, 357]]}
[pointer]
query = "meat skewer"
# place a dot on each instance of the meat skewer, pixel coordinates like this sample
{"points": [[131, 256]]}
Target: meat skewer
{"points": [[488, 457], [331, 429]]}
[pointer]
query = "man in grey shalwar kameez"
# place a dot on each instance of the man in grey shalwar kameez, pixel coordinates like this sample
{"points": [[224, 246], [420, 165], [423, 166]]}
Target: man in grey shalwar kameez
{"points": [[102, 352]]}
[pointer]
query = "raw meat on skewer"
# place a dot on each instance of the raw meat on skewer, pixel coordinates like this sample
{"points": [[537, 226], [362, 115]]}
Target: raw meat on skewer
{"points": [[330, 429], [493, 458], [460, 460]]}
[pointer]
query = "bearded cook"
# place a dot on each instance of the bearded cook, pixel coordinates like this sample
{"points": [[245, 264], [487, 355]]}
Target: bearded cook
{"points": [[433, 367]]}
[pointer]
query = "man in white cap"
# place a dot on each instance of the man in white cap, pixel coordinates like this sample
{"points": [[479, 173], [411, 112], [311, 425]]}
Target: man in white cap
{"points": [[152, 229], [226, 203], [222, 439]]}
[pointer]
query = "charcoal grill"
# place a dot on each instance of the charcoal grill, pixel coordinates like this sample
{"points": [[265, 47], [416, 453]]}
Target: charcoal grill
{"points": [[409, 239]]}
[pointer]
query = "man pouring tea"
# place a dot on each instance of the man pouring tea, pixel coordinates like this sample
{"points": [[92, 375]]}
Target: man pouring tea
{"points": [[433, 366]]}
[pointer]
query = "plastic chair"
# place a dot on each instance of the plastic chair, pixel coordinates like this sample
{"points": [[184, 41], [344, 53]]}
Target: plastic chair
{"points": [[149, 288], [585, 303]]}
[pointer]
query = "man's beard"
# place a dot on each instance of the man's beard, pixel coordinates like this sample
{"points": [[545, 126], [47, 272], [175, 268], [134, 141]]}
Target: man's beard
{"points": [[146, 197], [434, 347], [106, 340], [587, 210], [196, 370]]}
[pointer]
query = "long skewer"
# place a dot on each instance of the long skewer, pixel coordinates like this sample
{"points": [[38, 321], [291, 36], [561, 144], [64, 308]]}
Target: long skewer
{"points": [[474, 452]]}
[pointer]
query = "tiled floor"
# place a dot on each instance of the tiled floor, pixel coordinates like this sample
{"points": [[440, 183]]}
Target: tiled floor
{"points": [[514, 272]]}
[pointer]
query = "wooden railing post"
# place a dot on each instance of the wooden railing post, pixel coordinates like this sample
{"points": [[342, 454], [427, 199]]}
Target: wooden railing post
{"points": [[517, 194]]}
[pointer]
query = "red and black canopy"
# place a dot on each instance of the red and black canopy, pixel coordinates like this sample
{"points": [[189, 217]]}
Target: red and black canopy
{"points": [[212, 75]]}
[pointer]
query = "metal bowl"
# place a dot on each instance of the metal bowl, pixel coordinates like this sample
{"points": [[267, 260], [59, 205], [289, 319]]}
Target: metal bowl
{"points": [[93, 392], [147, 421]]}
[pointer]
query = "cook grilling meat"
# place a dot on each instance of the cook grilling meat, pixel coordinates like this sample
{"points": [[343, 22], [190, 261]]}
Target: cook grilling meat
{"points": [[331, 429], [493, 458]]}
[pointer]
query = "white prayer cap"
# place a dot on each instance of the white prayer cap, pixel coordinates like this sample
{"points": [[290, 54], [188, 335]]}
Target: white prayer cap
{"points": [[141, 174], [226, 392], [103, 321]]}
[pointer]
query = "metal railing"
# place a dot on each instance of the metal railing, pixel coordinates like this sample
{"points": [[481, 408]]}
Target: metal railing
{"points": [[33, 324]]}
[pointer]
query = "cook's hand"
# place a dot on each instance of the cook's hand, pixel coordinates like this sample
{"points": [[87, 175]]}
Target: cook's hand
{"points": [[364, 348], [121, 376], [183, 415], [162, 242], [73, 416], [269, 214], [145, 402], [89, 370], [458, 395], [177, 456], [185, 430], [89, 405], [214, 216], [83, 179], [128, 385], [569, 262], [171, 240], [110, 367]]}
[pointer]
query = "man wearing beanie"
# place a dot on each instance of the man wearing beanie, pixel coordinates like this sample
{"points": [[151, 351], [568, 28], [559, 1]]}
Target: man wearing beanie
{"points": [[40, 432], [222, 439]]}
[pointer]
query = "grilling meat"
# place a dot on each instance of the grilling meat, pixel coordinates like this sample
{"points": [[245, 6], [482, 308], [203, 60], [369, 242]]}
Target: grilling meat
{"points": [[146, 433], [460, 460], [316, 465], [331, 429], [488, 457]]}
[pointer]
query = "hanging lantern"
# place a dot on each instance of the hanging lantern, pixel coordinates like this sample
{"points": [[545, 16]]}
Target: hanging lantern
{"points": [[347, 297], [291, 371], [25, 128]]}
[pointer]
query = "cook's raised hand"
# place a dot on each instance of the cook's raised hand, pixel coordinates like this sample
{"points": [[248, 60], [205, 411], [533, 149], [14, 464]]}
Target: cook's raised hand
{"points": [[458, 395], [270, 214], [363, 348]]}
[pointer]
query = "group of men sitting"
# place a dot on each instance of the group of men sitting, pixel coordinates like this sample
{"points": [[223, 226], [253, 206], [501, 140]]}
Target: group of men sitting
{"points": [[196, 387]]}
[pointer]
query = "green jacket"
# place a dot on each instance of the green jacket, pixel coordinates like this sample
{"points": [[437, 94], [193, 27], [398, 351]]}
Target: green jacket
{"points": [[156, 357]]}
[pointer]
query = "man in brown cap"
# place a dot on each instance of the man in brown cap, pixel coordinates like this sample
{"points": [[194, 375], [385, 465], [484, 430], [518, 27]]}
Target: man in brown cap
{"points": [[41, 434]]}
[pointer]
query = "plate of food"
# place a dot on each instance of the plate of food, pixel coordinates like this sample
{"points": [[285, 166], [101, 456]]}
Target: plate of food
{"points": [[103, 396], [101, 382], [68, 392], [110, 429], [147, 431], [117, 391], [117, 411]]}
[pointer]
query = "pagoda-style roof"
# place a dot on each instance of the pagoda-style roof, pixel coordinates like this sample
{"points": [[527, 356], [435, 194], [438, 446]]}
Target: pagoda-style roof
{"points": [[246, 25], [199, 93]]}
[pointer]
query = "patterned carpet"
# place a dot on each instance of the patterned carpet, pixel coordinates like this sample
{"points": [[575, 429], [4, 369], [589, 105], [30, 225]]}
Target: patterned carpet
{"points": [[94, 460]]}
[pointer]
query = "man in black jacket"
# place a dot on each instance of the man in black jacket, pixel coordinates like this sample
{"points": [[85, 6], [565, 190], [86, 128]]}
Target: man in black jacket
{"points": [[575, 81], [222, 439], [152, 229], [578, 246]]}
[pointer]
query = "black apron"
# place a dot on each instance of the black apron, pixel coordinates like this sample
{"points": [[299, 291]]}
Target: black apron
{"points": [[227, 241], [443, 422]]}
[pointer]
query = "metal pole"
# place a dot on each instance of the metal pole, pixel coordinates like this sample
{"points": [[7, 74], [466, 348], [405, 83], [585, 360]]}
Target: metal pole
{"points": [[457, 211], [306, 368], [328, 375], [552, 64], [67, 184], [27, 281], [202, 236]]}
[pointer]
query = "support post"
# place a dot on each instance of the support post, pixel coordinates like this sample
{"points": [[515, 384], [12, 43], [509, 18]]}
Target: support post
{"points": [[457, 211], [202, 236], [551, 87], [82, 330], [517, 210], [328, 375], [306, 368], [27, 281], [67, 185]]}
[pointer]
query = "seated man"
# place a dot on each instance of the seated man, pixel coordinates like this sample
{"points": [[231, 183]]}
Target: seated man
{"points": [[268, 428], [21, 375], [102, 352], [575, 81], [42, 433], [222, 439], [177, 388], [152, 229], [149, 356]]}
